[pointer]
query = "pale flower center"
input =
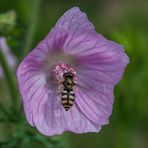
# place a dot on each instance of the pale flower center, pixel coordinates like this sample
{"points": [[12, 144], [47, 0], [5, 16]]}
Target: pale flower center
{"points": [[57, 64]]}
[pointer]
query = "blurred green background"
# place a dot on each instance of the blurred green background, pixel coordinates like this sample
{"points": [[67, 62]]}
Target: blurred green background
{"points": [[124, 21]]}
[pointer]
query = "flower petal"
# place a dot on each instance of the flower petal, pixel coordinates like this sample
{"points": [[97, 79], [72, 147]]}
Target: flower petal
{"points": [[52, 43], [78, 27], [83, 41], [94, 97], [99, 70], [50, 117], [105, 65], [32, 75], [31, 80], [75, 22], [96, 106], [11, 59], [58, 36]]}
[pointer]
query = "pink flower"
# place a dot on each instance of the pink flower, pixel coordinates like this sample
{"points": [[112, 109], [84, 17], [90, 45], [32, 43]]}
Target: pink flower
{"points": [[8, 55], [97, 65]]}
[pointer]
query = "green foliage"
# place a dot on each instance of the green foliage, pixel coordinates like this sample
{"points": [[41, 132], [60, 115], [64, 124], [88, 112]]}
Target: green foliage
{"points": [[7, 22]]}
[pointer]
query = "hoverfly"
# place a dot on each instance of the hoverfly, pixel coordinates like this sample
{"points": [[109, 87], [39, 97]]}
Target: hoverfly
{"points": [[67, 93]]}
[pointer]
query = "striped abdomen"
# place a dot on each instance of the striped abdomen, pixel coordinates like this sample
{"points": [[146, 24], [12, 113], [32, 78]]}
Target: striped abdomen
{"points": [[67, 98]]}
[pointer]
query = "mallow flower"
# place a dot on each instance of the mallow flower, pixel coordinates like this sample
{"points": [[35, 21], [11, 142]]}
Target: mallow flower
{"points": [[96, 64], [11, 59]]}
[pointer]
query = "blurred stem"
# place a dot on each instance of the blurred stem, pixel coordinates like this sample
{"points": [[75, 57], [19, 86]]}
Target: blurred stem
{"points": [[32, 25], [10, 80], [3, 110]]}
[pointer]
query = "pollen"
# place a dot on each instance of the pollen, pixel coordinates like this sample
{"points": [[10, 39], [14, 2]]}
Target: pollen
{"points": [[59, 70]]}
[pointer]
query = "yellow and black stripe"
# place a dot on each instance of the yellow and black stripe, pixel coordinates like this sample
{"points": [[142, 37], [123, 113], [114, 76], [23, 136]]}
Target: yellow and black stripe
{"points": [[67, 98]]}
